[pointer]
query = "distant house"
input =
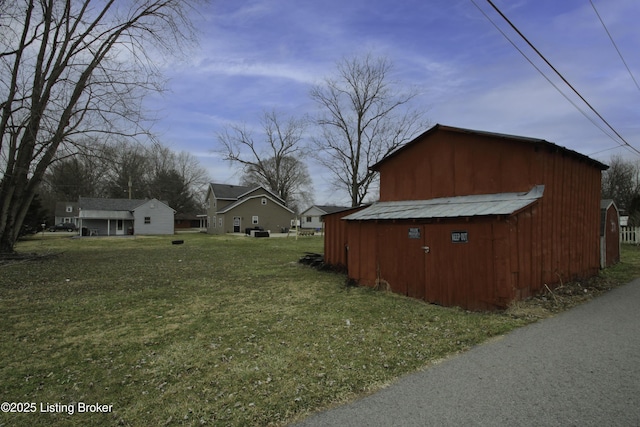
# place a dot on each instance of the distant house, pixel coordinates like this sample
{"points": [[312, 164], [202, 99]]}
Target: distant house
{"points": [[185, 221], [114, 217], [235, 208], [66, 212], [312, 217]]}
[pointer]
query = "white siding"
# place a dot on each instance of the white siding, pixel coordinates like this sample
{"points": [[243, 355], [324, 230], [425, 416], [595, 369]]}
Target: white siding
{"points": [[160, 215], [311, 218]]}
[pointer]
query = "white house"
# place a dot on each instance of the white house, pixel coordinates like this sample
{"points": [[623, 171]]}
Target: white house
{"points": [[312, 217], [113, 217]]}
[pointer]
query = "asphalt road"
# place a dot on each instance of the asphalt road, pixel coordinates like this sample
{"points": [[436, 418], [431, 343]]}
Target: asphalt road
{"points": [[580, 368]]}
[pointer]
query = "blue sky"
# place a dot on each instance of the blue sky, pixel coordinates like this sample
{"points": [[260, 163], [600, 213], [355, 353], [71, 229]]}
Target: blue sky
{"points": [[257, 55]]}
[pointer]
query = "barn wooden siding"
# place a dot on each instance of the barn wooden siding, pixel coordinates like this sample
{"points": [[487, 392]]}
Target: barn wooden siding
{"points": [[335, 237], [484, 273], [507, 257], [561, 242]]}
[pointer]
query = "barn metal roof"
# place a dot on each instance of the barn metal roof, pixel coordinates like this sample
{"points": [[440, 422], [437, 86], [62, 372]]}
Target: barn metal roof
{"points": [[514, 138], [450, 207]]}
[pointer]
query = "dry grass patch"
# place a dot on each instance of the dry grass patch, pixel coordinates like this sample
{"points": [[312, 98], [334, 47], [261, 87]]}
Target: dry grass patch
{"points": [[571, 294], [218, 331]]}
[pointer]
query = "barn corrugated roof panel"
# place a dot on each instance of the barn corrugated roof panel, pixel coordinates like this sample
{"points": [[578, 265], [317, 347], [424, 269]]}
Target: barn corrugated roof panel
{"points": [[514, 138], [450, 207]]}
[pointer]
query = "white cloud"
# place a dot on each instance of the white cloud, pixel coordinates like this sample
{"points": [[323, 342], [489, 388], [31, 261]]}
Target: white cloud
{"points": [[260, 54]]}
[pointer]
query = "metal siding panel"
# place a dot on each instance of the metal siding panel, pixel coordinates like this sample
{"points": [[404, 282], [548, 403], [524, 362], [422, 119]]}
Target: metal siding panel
{"points": [[390, 255], [556, 236], [612, 237], [450, 207], [336, 237], [362, 253], [461, 274], [504, 262]]}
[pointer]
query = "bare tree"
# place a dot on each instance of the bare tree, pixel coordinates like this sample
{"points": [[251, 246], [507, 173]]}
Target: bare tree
{"points": [[364, 116], [176, 177], [130, 170], [295, 186], [272, 160], [621, 183], [195, 176], [72, 68]]}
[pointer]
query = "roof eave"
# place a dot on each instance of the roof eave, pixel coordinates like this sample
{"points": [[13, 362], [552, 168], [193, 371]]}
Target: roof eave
{"points": [[438, 126]]}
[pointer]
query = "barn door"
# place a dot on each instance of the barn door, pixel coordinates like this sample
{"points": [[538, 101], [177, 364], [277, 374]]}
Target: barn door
{"points": [[437, 265], [413, 262], [400, 258]]}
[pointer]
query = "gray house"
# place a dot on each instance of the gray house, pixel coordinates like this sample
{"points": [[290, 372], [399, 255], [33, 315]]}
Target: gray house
{"points": [[66, 212], [234, 208], [114, 217]]}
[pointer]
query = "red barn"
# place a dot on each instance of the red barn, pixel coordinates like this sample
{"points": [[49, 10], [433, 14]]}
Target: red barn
{"points": [[474, 219]]}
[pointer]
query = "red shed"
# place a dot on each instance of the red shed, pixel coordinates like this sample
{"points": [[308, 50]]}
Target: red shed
{"points": [[476, 219], [609, 234]]}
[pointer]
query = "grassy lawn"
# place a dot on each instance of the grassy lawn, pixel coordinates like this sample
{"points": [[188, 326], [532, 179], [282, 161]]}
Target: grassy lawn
{"points": [[218, 331]]}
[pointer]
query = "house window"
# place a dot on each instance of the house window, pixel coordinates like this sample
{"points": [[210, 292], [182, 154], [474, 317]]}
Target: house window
{"points": [[264, 201], [220, 222], [69, 208], [254, 219], [309, 219], [213, 222], [147, 220]]}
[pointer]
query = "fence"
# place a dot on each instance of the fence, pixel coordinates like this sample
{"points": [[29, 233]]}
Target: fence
{"points": [[630, 235]]}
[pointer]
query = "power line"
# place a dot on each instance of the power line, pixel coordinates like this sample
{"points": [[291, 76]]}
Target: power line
{"points": [[591, 119], [562, 77], [614, 44]]}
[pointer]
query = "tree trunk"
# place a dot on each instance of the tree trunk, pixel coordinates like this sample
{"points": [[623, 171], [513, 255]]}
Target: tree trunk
{"points": [[15, 204]]}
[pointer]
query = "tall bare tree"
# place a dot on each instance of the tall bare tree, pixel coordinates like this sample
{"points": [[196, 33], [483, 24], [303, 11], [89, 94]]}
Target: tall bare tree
{"points": [[364, 116], [621, 183], [124, 168], [295, 186], [71, 68], [274, 160]]}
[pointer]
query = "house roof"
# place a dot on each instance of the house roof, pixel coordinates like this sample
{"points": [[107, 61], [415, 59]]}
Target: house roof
{"points": [[450, 207], [329, 209], [326, 209], [605, 203], [228, 191], [235, 192], [515, 138], [99, 204], [233, 205]]}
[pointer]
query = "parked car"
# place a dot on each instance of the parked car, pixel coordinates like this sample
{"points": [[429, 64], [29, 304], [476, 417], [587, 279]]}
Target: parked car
{"points": [[64, 226]]}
